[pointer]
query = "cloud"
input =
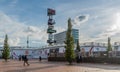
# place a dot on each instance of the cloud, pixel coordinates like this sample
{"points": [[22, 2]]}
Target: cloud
{"points": [[18, 31], [102, 24], [114, 28], [80, 19], [32, 29], [59, 29], [14, 41]]}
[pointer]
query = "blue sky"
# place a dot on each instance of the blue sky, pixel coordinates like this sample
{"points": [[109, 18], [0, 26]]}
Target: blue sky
{"points": [[101, 19]]}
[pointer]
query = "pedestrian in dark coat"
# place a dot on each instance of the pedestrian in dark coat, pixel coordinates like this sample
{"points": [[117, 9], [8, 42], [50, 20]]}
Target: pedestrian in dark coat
{"points": [[25, 59], [40, 58], [81, 58], [77, 59], [20, 57]]}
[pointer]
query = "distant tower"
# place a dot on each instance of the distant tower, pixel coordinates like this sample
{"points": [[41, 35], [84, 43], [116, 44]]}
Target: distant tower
{"points": [[27, 41], [51, 22], [28, 38]]}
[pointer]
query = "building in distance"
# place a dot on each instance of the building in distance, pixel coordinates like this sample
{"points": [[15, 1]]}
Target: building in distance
{"points": [[60, 37]]}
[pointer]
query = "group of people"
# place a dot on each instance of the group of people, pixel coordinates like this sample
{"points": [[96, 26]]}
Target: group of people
{"points": [[25, 59]]}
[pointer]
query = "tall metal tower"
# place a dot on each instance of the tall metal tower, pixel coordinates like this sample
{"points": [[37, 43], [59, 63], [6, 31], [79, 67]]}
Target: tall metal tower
{"points": [[28, 38], [51, 22], [27, 41]]}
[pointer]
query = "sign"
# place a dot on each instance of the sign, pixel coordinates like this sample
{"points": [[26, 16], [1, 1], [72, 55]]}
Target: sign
{"points": [[50, 41], [51, 22], [51, 31], [50, 26], [51, 36], [50, 12]]}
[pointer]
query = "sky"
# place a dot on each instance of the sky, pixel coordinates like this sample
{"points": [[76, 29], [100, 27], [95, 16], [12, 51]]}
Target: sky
{"points": [[96, 20]]}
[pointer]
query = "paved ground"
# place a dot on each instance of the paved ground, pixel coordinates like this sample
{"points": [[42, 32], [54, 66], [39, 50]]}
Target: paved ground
{"points": [[44, 66]]}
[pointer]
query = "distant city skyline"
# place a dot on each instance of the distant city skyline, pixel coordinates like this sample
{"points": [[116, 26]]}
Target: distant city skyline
{"points": [[96, 20]]}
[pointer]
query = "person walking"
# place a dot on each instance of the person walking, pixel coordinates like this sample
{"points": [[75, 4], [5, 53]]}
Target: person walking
{"points": [[20, 57], [77, 59], [81, 59], [40, 58], [25, 59]]}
